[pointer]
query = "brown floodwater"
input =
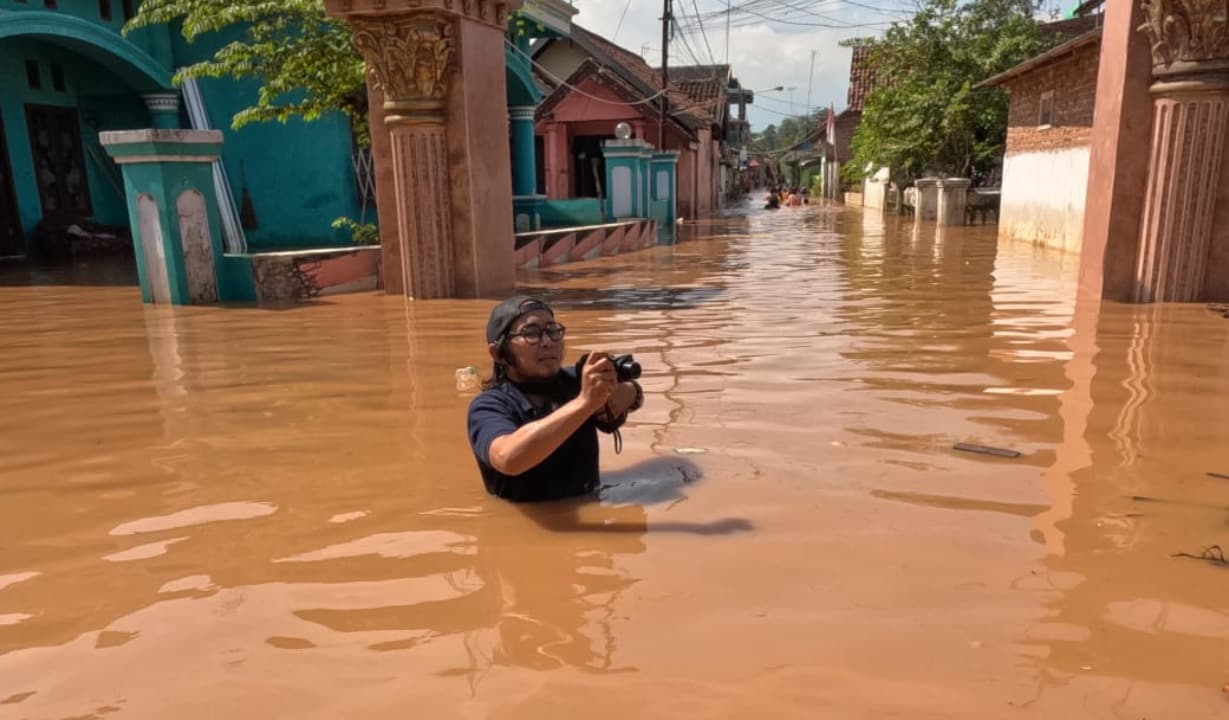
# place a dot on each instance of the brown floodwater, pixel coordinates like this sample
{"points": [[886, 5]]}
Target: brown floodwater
{"points": [[254, 513]]}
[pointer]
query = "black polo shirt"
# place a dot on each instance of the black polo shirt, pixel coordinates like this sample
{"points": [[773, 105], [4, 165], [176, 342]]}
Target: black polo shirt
{"points": [[571, 470]]}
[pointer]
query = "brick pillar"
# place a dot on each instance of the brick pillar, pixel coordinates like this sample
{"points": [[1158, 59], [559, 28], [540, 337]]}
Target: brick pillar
{"points": [[1117, 167]]}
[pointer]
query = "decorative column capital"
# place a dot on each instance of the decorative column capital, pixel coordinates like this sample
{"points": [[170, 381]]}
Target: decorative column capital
{"points": [[1187, 36], [493, 13], [522, 112], [162, 102], [409, 58]]}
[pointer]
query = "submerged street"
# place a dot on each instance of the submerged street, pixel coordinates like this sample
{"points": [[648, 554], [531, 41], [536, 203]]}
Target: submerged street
{"points": [[251, 513]]}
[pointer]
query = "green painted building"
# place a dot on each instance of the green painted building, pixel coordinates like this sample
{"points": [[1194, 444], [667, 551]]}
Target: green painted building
{"points": [[69, 74]]}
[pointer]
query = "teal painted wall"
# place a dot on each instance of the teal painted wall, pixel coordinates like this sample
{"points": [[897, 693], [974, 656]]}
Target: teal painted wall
{"points": [[300, 175], [572, 213], [154, 40], [109, 105]]}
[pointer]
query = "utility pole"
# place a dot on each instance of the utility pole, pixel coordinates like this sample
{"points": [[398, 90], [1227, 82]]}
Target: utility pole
{"points": [[810, 85], [667, 16]]}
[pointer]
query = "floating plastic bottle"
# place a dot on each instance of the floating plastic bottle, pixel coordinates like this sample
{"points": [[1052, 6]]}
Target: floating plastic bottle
{"points": [[467, 379]]}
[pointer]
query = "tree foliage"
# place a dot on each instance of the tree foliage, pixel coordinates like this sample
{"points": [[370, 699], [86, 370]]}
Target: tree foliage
{"points": [[304, 61], [926, 113]]}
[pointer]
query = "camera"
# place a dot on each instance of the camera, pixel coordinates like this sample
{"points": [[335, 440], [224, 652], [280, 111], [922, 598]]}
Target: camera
{"points": [[626, 367]]}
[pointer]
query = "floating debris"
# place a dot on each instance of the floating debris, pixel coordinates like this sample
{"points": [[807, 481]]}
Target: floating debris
{"points": [[1222, 476], [1178, 503], [690, 451], [986, 450], [1213, 554]]}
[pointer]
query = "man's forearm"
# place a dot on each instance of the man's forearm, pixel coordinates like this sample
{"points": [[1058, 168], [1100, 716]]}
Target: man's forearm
{"points": [[526, 448]]}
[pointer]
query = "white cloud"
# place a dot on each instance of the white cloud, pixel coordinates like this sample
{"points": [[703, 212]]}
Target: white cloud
{"points": [[763, 54]]}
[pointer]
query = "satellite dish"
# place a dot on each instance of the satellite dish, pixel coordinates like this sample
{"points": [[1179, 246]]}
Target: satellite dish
{"points": [[623, 131]]}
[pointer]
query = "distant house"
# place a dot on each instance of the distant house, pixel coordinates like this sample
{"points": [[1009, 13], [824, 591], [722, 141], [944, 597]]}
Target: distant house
{"points": [[835, 154], [593, 84], [1045, 166]]}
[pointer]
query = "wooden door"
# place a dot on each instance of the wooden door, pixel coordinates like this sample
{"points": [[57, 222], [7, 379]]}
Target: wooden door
{"points": [[59, 161]]}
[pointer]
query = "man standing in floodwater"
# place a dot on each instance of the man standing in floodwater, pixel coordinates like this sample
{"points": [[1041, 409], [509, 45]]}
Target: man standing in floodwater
{"points": [[534, 428]]}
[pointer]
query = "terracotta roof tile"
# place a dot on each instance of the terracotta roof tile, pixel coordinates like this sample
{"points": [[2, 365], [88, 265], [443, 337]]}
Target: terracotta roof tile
{"points": [[861, 77], [696, 91]]}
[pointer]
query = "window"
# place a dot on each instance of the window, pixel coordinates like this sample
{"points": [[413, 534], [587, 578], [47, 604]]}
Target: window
{"points": [[57, 78], [1045, 115], [129, 10], [104, 9], [33, 76]]}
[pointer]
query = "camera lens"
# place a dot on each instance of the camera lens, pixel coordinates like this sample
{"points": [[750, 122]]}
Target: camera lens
{"points": [[626, 368]]}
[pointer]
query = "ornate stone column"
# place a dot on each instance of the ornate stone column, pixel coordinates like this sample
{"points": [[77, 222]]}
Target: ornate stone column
{"points": [[430, 66], [1190, 69], [524, 161]]}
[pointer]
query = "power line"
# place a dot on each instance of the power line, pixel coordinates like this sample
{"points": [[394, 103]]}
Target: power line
{"points": [[703, 34], [758, 9], [810, 112], [621, 18]]}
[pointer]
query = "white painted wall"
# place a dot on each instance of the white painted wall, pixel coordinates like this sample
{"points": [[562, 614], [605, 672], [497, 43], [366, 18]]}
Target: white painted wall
{"points": [[1043, 197], [153, 249], [875, 188], [621, 191]]}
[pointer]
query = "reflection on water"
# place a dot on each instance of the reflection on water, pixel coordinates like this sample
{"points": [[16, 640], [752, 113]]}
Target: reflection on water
{"points": [[250, 513]]}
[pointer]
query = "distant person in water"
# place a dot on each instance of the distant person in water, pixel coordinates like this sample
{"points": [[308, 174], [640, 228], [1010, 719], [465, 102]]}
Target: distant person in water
{"points": [[534, 428], [773, 203]]}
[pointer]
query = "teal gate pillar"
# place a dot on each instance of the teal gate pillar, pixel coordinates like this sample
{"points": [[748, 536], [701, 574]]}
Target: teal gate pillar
{"points": [[526, 203], [625, 178], [173, 211], [646, 181], [664, 184]]}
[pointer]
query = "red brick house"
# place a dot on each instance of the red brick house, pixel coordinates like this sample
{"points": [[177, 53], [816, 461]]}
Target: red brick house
{"points": [[1045, 165], [861, 82]]}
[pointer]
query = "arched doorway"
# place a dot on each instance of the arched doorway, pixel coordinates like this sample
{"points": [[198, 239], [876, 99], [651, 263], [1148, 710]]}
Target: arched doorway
{"points": [[72, 79]]}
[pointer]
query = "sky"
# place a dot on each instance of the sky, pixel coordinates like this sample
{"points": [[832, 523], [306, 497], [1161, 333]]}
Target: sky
{"points": [[770, 46]]}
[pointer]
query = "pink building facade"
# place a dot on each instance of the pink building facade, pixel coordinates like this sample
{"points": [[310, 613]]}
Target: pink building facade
{"points": [[594, 86]]}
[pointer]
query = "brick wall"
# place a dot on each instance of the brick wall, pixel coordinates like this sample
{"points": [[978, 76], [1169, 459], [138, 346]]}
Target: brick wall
{"points": [[1073, 80]]}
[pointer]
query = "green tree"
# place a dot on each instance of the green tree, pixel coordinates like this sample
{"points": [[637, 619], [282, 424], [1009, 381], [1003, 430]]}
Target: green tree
{"points": [[766, 140], [305, 62], [926, 112]]}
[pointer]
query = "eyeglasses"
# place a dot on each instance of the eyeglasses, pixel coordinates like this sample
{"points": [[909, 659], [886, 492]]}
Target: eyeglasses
{"points": [[533, 333]]}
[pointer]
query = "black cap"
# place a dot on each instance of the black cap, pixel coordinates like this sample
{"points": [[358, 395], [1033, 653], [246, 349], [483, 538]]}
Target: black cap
{"points": [[506, 313]]}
